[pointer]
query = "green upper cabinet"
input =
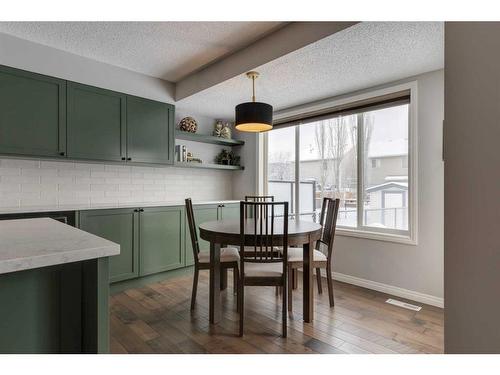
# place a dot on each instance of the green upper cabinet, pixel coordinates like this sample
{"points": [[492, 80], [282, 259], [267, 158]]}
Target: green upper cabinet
{"points": [[32, 114], [43, 116], [120, 226], [201, 214], [150, 137], [161, 239], [96, 123]]}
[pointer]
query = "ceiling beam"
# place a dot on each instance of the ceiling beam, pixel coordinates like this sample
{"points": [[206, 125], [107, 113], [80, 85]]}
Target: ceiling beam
{"points": [[272, 46]]}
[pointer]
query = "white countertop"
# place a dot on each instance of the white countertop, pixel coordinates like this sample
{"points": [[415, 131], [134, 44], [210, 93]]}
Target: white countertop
{"points": [[27, 209], [35, 243]]}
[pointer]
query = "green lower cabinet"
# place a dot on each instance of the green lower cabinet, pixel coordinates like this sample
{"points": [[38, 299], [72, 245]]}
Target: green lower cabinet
{"points": [[120, 226], [56, 309], [230, 211], [201, 215], [161, 239]]}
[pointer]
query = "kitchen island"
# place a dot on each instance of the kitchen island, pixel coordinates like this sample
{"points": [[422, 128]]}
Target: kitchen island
{"points": [[53, 288]]}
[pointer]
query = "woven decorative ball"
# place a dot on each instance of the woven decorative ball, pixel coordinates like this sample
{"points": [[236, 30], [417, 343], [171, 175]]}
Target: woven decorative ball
{"points": [[188, 124]]}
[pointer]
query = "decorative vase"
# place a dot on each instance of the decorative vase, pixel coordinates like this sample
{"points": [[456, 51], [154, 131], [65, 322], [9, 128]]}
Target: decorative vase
{"points": [[188, 124], [219, 125], [226, 131]]}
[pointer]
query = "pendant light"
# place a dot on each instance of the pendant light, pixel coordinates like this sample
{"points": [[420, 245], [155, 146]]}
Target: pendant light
{"points": [[254, 116]]}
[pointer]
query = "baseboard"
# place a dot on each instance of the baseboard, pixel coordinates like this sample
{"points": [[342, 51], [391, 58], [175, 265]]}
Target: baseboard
{"points": [[389, 289]]}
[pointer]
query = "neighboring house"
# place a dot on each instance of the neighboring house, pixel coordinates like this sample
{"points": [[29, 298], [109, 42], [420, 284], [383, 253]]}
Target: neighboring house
{"points": [[387, 159], [387, 205]]}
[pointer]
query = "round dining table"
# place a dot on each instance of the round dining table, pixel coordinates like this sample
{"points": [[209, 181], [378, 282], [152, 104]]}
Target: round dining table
{"points": [[227, 232]]}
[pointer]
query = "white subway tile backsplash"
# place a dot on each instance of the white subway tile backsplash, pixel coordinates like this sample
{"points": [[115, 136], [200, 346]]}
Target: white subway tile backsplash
{"points": [[39, 187], [89, 167], [117, 193], [9, 171], [73, 172], [56, 164], [57, 180], [9, 187], [74, 187], [117, 180], [64, 184], [104, 174], [103, 200], [20, 179], [19, 163], [38, 172], [42, 201], [9, 202], [74, 200], [89, 180], [104, 187], [117, 168]]}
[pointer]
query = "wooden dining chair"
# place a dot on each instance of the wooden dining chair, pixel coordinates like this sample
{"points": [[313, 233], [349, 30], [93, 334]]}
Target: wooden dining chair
{"points": [[322, 257], [260, 265], [229, 256], [259, 198]]}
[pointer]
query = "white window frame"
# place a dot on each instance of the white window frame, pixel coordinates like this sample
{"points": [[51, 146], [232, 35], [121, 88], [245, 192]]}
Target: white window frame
{"points": [[362, 231]]}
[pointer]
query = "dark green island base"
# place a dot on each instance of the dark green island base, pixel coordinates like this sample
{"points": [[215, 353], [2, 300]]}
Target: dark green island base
{"points": [[56, 309]]}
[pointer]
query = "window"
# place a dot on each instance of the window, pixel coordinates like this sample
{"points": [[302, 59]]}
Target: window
{"points": [[281, 166], [360, 156]]}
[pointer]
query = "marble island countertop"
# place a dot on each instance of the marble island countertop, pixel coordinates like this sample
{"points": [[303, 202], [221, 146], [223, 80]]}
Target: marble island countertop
{"points": [[34, 243], [29, 209]]}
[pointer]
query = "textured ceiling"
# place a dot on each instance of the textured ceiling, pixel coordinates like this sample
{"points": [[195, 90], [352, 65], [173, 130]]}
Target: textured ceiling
{"points": [[167, 50], [362, 56]]}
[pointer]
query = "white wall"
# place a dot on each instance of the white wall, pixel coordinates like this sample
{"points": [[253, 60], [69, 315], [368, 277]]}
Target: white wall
{"points": [[245, 182], [34, 57], [26, 183], [410, 271]]}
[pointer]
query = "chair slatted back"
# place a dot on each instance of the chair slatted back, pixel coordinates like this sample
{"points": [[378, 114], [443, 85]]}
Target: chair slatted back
{"points": [[328, 220], [259, 198], [256, 198], [261, 233], [192, 229]]}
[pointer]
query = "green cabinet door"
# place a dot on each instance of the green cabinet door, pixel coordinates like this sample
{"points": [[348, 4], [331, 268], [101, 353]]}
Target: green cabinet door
{"points": [[32, 114], [161, 239], [230, 211], [120, 226], [96, 121], [201, 214], [150, 131]]}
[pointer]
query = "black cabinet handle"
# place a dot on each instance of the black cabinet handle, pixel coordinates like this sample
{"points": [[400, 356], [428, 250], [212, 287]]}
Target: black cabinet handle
{"points": [[62, 153], [129, 159], [141, 209], [136, 210], [124, 158]]}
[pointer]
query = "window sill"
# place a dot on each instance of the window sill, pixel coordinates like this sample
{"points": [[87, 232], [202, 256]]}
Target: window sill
{"points": [[377, 236]]}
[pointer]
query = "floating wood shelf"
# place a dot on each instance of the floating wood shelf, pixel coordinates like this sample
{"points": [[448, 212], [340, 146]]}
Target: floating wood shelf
{"points": [[208, 166], [207, 139]]}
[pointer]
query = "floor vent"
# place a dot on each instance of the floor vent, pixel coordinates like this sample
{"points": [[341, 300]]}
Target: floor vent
{"points": [[405, 305]]}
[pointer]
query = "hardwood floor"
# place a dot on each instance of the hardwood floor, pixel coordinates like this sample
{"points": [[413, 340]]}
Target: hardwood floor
{"points": [[157, 319]]}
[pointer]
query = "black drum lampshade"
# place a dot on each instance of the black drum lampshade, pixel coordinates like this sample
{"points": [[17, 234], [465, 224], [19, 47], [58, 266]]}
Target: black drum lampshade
{"points": [[253, 116]]}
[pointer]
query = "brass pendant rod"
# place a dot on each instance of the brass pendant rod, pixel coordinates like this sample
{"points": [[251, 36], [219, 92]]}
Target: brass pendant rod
{"points": [[253, 76], [253, 88]]}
